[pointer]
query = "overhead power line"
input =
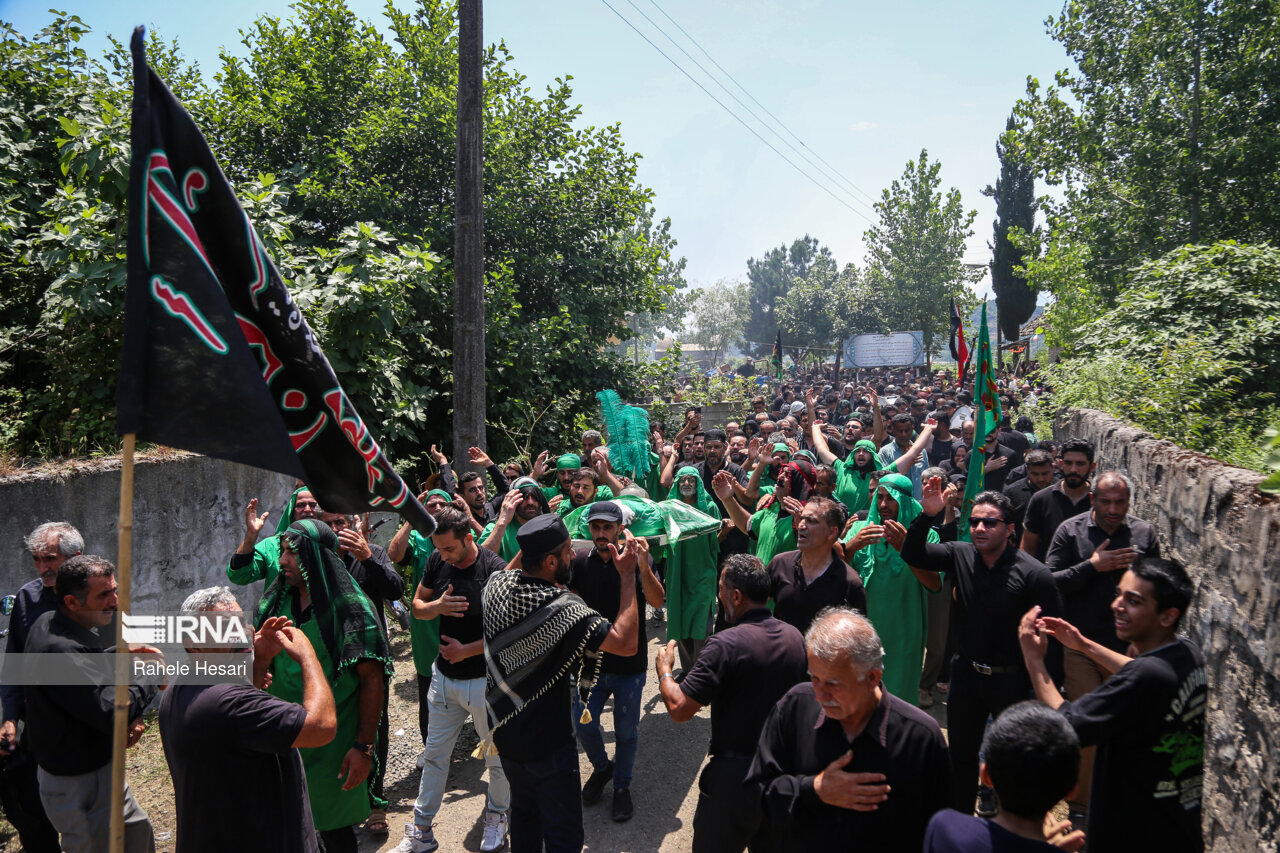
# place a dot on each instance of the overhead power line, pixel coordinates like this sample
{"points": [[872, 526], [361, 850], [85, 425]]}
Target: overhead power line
{"points": [[780, 122], [803, 154], [737, 117]]}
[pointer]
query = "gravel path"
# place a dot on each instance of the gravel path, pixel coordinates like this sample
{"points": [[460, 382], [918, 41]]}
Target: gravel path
{"points": [[664, 788]]}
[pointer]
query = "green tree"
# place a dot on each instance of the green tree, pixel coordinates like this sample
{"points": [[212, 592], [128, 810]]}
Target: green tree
{"points": [[914, 252], [718, 315], [340, 144], [1164, 133], [827, 306], [1014, 193], [769, 279]]}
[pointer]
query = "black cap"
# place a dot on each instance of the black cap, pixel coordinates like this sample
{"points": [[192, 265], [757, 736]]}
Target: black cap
{"points": [[604, 511], [715, 434], [541, 535]]}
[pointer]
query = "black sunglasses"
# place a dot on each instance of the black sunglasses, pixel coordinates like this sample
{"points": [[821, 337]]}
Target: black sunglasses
{"points": [[985, 522]]}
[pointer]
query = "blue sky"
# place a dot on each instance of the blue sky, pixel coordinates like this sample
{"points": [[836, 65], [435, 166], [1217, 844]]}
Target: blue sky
{"points": [[864, 85]]}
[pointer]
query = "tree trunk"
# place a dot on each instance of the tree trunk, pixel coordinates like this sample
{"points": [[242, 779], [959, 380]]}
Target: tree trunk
{"points": [[468, 242]]}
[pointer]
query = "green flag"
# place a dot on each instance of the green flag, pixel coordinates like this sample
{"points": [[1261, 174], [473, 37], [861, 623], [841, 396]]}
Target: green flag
{"points": [[986, 419]]}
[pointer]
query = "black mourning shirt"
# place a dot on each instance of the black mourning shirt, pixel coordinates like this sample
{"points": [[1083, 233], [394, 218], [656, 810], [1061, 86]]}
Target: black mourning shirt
{"points": [[741, 673], [600, 586], [990, 601], [1147, 721], [899, 740], [437, 576], [796, 602], [1086, 592], [1046, 511]]}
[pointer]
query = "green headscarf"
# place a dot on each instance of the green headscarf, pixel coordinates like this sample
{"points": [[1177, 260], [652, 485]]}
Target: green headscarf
{"points": [[569, 460], [286, 517], [852, 486], [442, 493], [343, 613], [882, 553], [703, 500]]}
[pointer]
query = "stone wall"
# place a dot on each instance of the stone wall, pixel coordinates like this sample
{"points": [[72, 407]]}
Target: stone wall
{"points": [[1213, 520], [188, 517]]}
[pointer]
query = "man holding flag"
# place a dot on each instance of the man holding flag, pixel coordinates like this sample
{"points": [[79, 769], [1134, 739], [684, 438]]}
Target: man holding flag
{"points": [[992, 580]]}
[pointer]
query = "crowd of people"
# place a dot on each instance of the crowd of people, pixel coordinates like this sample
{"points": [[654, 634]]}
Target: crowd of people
{"points": [[835, 599]]}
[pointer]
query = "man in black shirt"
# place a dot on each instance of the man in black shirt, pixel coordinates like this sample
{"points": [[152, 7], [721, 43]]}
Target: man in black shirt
{"points": [[1147, 720], [69, 726], [994, 585], [1068, 497], [804, 581], [484, 507], [715, 446], [535, 633], [742, 673], [1085, 555], [50, 544], [232, 748], [846, 765], [598, 582], [450, 591], [1039, 468]]}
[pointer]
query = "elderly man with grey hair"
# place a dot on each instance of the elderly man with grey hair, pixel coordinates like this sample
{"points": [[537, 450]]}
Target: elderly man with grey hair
{"points": [[50, 544], [232, 748], [845, 764]]}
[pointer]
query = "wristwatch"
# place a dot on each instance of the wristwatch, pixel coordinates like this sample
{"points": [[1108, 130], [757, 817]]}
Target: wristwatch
{"points": [[365, 748]]}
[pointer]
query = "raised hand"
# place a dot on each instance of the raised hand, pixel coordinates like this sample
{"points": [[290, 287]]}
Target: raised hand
{"points": [[722, 484], [440, 458], [352, 542], [931, 500], [869, 535], [253, 523], [510, 501], [894, 533], [479, 457], [1032, 635], [1064, 632]]}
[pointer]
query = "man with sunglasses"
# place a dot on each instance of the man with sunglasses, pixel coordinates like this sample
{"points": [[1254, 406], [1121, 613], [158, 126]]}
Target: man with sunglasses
{"points": [[993, 581]]}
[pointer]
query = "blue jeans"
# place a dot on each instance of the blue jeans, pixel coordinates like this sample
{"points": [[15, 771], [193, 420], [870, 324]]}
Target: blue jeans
{"points": [[625, 690]]}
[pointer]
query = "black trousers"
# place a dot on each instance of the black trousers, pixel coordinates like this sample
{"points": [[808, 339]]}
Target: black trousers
{"points": [[380, 750], [339, 840], [728, 814], [973, 698], [20, 796], [546, 802]]}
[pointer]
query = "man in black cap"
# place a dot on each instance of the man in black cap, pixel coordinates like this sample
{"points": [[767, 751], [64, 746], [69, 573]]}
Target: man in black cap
{"points": [[622, 677], [535, 633]]}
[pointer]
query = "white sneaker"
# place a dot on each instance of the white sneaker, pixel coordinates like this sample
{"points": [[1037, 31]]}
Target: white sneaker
{"points": [[422, 759], [495, 831], [417, 840]]}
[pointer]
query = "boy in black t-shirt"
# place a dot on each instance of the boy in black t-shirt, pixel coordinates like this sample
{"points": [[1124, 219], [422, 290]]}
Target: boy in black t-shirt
{"points": [[1032, 762], [1147, 719]]}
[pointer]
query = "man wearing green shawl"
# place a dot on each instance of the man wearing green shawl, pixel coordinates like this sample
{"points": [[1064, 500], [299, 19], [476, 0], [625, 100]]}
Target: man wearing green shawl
{"points": [[524, 502], [897, 594], [853, 472], [254, 560], [316, 592], [691, 572]]}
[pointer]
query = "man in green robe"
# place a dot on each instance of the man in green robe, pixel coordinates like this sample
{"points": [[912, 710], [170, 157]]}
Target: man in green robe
{"points": [[691, 573], [254, 560], [316, 592], [771, 530], [566, 466], [897, 594]]}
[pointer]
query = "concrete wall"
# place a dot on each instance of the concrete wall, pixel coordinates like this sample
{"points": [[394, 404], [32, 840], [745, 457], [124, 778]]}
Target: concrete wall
{"points": [[1213, 520], [188, 517]]}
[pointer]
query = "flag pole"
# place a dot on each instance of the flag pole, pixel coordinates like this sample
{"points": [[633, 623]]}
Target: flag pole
{"points": [[120, 721]]}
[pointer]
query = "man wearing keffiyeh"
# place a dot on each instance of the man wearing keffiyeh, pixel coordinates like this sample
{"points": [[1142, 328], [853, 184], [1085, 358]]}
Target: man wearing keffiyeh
{"points": [[537, 633], [315, 590]]}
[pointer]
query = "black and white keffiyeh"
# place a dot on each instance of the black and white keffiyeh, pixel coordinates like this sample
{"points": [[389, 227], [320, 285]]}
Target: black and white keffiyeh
{"points": [[534, 634]]}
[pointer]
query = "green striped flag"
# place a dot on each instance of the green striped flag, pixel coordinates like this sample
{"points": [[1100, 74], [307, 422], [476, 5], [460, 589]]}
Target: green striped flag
{"points": [[986, 419]]}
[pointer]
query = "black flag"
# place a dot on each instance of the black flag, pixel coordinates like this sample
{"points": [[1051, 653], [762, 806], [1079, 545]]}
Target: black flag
{"points": [[217, 357]]}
